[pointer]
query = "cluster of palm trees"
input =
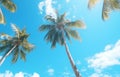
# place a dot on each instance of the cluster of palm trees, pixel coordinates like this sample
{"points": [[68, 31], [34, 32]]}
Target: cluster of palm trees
{"points": [[58, 31]]}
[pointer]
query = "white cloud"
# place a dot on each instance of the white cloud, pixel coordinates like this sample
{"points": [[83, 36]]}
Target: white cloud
{"points": [[49, 10], [20, 74], [67, 74], [99, 75], [51, 71], [109, 57], [78, 62], [6, 74], [108, 47], [35, 75]]}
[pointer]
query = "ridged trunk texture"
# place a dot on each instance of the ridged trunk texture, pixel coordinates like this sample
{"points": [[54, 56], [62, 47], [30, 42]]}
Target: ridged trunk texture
{"points": [[77, 74]]}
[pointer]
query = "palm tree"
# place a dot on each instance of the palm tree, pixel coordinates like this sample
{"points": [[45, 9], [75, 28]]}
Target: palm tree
{"points": [[17, 45], [8, 4], [59, 29], [108, 6]]}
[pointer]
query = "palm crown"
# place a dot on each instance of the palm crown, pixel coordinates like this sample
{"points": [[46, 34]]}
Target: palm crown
{"points": [[108, 6], [60, 28], [8, 4], [18, 45]]}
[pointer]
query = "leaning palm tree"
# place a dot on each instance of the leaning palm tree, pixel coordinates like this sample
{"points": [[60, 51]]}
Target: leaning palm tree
{"points": [[8, 4], [108, 6], [60, 29], [17, 45]]}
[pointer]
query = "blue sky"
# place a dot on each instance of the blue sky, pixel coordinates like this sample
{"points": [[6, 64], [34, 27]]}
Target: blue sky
{"points": [[98, 55]]}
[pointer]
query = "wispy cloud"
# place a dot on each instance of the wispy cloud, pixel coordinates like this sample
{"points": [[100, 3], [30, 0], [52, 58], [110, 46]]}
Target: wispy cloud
{"points": [[49, 10], [68, 74], [19, 74], [78, 62], [51, 71], [107, 58], [99, 75], [35, 75]]}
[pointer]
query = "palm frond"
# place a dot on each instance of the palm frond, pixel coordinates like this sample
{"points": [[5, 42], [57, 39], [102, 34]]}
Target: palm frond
{"points": [[115, 4], [67, 34], [50, 18], [106, 10], [62, 18], [17, 31], [6, 42], [15, 55], [2, 19], [49, 35], [45, 27], [6, 36], [62, 38], [74, 34], [9, 5], [27, 46], [55, 39], [23, 34], [23, 55], [77, 24], [4, 47], [92, 3]]}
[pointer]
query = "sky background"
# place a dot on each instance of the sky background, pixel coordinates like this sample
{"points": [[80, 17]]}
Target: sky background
{"points": [[98, 55]]}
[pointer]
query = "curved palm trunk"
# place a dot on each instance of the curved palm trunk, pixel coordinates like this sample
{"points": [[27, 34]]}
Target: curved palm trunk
{"points": [[72, 61], [4, 57]]}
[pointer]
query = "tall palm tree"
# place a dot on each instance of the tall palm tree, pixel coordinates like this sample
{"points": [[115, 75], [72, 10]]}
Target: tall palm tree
{"points": [[108, 6], [17, 45], [8, 4], [58, 30]]}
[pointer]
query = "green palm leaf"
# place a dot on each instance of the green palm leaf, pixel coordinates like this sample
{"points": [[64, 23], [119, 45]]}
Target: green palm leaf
{"points": [[77, 24], [2, 48], [62, 18], [92, 3], [49, 35], [6, 36], [23, 55], [15, 55], [108, 6], [74, 34], [50, 18], [45, 27], [2, 19], [17, 31], [9, 5], [106, 10], [115, 4], [27, 46]]}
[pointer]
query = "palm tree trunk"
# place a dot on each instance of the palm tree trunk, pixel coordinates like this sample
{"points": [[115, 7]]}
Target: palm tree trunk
{"points": [[4, 57], [72, 61]]}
